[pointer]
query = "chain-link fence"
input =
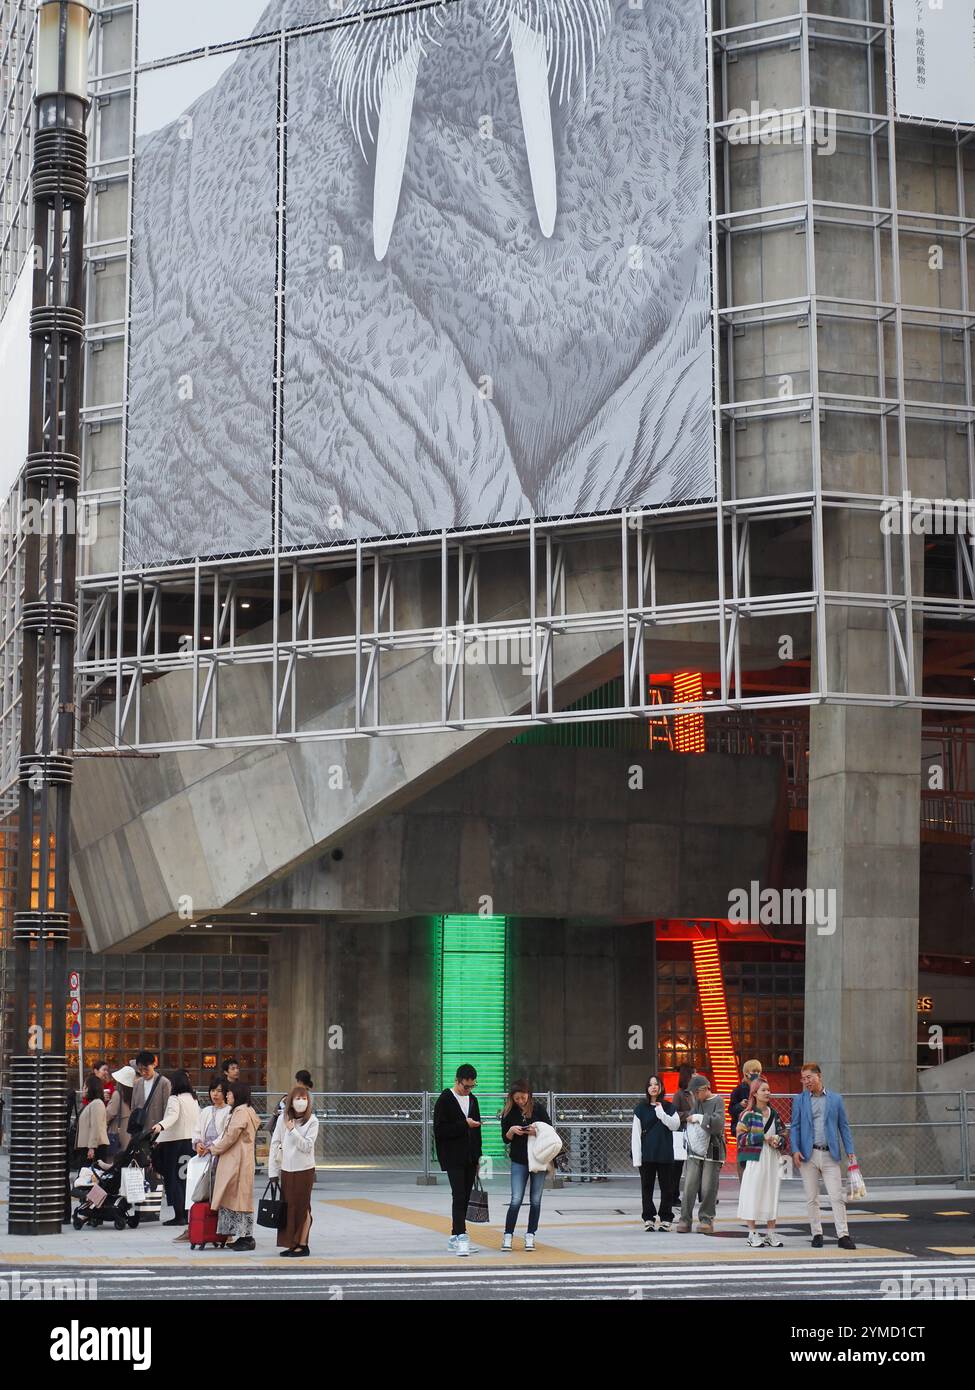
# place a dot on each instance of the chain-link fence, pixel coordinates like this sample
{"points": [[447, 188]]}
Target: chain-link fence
{"points": [[899, 1136]]}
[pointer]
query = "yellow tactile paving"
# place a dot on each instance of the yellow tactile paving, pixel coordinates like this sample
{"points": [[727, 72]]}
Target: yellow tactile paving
{"points": [[517, 1260]]}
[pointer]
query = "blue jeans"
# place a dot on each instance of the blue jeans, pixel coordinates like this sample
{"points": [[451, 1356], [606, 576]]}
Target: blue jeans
{"points": [[519, 1181]]}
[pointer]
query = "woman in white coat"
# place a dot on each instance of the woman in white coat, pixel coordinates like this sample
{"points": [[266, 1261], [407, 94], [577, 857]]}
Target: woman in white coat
{"points": [[213, 1118], [174, 1144], [292, 1159]]}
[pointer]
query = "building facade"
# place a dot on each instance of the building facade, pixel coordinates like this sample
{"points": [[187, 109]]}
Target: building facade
{"points": [[591, 729]]}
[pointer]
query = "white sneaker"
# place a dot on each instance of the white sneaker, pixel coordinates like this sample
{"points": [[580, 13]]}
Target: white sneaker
{"points": [[755, 1240], [648, 1225], [463, 1245], [529, 1241], [506, 1241], [452, 1244], [773, 1240], [663, 1225]]}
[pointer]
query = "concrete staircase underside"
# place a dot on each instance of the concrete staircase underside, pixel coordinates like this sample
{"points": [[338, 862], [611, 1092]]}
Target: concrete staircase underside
{"points": [[156, 842]]}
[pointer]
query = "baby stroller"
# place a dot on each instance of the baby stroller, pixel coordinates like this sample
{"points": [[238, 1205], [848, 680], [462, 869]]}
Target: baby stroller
{"points": [[111, 1195]]}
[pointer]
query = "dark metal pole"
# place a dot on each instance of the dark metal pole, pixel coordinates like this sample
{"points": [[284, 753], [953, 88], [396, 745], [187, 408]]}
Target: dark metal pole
{"points": [[50, 619]]}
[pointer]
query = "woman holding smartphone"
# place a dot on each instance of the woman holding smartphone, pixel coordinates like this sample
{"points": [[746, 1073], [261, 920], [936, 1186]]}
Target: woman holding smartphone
{"points": [[518, 1119], [655, 1121], [761, 1142]]}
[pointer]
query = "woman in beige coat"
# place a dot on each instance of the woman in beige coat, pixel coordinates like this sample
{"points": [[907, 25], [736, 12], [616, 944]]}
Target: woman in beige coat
{"points": [[92, 1136], [119, 1110], [233, 1187]]}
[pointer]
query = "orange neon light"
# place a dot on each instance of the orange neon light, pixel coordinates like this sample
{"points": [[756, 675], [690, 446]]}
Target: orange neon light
{"points": [[689, 728], [35, 874], [714, 1010]]}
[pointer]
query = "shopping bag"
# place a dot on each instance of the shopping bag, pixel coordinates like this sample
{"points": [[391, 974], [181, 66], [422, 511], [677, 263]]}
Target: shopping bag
{"points": [[477, 1205], [203, 1188], [198, 1174], [272, 1212], [857, 1187], [133, 1183]]}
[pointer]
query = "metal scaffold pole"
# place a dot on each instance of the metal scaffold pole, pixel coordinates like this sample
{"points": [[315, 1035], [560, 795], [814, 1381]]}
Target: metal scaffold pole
{"points": [[52, 477]]}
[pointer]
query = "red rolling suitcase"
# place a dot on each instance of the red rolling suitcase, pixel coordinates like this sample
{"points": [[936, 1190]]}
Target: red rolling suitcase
{"points": [[203, 1226]]}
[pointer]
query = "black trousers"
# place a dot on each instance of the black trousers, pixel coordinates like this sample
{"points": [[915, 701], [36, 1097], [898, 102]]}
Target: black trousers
{"points": [[169, 1159], [461, 1181], [664, 1174]]}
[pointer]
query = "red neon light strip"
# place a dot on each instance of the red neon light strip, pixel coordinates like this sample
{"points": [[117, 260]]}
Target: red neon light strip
{"points": [[689, 728], [714, 1010]]}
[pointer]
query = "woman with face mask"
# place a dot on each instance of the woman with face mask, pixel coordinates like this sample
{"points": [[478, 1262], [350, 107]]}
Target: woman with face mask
{"points": [[292, 1159]]}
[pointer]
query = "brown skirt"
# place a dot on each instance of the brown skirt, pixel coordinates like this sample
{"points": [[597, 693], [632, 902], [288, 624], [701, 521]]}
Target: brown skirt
{"points": [[296, 1189]]}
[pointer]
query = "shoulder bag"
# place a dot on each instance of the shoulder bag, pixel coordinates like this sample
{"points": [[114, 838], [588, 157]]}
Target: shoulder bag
{"points": [[137, 1119]]}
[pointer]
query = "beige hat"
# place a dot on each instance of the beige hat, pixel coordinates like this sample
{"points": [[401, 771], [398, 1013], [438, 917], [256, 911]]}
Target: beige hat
{"points": [[125, 1076]]}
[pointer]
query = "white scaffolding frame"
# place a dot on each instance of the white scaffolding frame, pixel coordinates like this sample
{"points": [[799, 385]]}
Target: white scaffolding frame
{"points": [[124, 644]]}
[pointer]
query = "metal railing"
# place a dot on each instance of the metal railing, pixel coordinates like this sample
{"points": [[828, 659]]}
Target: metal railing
{"points": [[908, 1136]]}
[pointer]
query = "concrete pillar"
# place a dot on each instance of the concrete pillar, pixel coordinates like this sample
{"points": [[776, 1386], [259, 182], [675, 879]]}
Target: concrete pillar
{"points": [[864, 843], [353, 1002], [296, 1024]]}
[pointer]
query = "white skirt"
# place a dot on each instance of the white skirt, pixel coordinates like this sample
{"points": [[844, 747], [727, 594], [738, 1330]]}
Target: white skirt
{"points": [[758, 1199]]}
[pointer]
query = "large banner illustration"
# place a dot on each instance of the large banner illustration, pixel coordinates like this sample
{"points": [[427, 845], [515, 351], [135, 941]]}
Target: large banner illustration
{"points": [[443, 268]]}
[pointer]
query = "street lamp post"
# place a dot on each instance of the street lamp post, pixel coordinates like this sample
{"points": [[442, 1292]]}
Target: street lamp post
{"points": [[59, 178]]}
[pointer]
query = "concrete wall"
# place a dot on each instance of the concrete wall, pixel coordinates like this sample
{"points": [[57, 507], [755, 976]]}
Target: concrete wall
{"points": [[558, 832], [214, 828], [576, 992]]}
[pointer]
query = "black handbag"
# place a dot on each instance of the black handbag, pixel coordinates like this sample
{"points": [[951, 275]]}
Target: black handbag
{"points": [[477, 1204], [272, 1211], [137, 1119]]}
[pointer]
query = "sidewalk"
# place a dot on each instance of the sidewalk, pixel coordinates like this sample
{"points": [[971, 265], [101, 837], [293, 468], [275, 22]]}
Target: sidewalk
{"points": [[383, 1219]]}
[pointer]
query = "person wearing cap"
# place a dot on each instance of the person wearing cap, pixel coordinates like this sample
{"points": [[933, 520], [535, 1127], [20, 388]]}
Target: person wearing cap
{"points": [[819, 1126], [751, 1072], [119, 1109], [739, 1100], [705, 1155]]}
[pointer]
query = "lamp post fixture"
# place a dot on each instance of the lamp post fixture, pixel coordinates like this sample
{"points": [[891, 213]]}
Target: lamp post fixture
{"points": [[59, 178]]}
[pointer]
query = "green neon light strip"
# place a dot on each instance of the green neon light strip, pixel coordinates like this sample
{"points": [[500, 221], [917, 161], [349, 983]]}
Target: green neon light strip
{"points": [[472, 1002]]}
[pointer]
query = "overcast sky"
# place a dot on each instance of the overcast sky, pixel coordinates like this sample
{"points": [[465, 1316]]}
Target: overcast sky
{"points": [[178, 26]]}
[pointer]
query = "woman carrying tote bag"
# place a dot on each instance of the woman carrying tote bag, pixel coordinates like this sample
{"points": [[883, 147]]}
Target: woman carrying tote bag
{"points": [[292, 1158]]}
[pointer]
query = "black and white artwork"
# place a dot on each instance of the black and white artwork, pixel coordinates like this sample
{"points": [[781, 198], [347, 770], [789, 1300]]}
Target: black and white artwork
{"points": [[491, 262]]}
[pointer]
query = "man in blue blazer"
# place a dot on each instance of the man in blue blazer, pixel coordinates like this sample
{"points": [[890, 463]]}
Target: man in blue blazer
{"points": [[819, 1124]]}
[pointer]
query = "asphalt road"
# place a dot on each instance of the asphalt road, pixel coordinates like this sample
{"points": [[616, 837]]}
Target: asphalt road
{"points": [[932, 1241]]}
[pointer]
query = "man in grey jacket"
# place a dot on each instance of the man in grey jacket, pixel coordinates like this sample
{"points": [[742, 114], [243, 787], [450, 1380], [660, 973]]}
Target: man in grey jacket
{"points": [[151, 1090], [705, 1155]]}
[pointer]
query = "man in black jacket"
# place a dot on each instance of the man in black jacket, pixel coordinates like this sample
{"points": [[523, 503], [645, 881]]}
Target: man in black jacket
{"points": [[457, 1136]]}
